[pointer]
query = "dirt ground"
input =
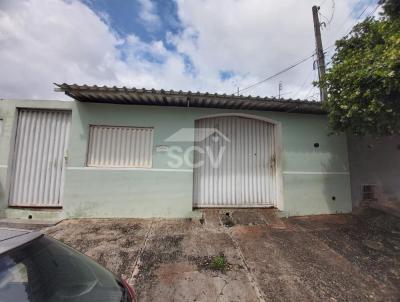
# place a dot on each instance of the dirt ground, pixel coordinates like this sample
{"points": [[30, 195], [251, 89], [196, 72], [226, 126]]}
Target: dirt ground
{"points": [[329, 257]]}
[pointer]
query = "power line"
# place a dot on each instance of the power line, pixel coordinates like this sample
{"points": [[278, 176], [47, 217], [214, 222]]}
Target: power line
{"points": [[285, 93], [359, 16], [333, 12], [285, 69], [276, 74], [312, 87], [304, 83], [350, 29], [349, 15], [313, 96], [322, 3], [374, 10], [329, 20], [305, 59]]}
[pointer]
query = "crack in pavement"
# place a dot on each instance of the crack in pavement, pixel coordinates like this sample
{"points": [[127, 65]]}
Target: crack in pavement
{"points": [[221, 292], [136, 264], [248, 272]]}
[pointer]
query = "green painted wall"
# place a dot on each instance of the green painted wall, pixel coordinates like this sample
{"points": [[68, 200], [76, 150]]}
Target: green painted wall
{"points": [[311, 176]]}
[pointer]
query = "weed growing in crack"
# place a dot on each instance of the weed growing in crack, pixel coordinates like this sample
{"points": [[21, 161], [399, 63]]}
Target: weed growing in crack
{"points": [[218, 262]]}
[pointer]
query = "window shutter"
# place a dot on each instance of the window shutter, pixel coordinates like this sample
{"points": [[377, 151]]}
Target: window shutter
{"points": [[127, 147]]}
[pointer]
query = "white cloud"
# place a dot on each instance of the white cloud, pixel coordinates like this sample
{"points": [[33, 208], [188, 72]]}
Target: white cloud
{"points": [[42, 42], [148, 12], [46, 41], [255, 37]]}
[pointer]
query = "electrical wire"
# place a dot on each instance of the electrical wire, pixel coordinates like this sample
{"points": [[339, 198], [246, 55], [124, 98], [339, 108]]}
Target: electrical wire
{"points": [[328, 20], [350, 29], [323, 16], [285, 93], [276, 74], [302, 60], [312, 87], [322, 3], [359, 17], [374, 10], [313, 96], [333, 12], [304, 83]]}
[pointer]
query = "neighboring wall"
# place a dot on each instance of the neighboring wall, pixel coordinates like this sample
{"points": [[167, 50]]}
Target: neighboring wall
{"points": [[315, 179], [375, 162]]}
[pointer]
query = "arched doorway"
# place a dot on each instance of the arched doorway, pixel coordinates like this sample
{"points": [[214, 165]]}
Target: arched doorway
{"points": [[235, 162]]}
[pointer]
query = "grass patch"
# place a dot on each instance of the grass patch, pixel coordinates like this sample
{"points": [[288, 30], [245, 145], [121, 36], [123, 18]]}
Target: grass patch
{"points": [[219, 262], [211, 263]]}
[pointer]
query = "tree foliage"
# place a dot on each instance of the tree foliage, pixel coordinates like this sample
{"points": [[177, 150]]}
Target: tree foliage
{"points": [[391, 8], [363, 84]]}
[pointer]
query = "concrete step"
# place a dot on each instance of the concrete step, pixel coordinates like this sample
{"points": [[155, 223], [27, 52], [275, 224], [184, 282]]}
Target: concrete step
{"points": [[33, 214], [27, 224]]}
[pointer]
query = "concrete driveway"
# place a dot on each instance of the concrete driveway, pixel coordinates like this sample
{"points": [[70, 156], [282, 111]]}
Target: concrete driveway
{"points": [[330, 258]]}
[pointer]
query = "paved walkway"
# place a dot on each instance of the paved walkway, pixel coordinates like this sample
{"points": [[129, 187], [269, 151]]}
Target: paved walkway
{"points": [[329, 258]]}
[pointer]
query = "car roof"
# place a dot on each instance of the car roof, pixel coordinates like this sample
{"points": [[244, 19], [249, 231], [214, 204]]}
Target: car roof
{"points": [[13, 238]]}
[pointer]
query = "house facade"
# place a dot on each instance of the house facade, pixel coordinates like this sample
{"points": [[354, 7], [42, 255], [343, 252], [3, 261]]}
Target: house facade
{"points": [[375, 169], [118, 152]]}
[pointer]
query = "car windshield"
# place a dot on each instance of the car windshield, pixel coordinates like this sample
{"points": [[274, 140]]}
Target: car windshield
{"points": [[46, 270]]}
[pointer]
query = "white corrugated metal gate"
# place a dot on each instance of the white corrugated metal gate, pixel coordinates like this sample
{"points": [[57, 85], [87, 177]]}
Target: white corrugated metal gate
{"points": [[245, 175], [39, 158]]}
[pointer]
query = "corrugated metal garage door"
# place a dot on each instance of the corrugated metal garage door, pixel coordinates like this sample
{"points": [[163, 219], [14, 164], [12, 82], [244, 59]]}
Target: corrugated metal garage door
{"points": [[246, 174], [39, 158]]}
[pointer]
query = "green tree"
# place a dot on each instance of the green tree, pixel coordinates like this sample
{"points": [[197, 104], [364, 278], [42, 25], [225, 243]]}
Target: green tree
{"points": [[391, 8], [363, 84]]}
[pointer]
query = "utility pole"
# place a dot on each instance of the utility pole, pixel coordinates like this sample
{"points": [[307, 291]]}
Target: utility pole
{"points": [[279, 89], [319, 49]]}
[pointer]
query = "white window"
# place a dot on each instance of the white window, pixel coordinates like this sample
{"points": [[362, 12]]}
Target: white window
{"points": [[127, 147]]}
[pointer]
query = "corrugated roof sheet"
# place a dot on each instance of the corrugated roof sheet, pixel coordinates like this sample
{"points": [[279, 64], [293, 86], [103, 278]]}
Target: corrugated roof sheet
{"points": [[135, 96]]}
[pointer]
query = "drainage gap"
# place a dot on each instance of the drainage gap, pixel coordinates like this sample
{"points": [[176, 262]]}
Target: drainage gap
{"points": [[226, 219]]}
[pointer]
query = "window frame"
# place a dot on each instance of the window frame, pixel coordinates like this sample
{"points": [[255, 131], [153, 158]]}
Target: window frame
{"points": [[89, 147]]}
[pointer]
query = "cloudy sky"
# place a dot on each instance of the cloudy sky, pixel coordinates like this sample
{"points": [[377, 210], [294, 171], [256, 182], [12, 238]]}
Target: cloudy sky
{"points": [[197, 45]]}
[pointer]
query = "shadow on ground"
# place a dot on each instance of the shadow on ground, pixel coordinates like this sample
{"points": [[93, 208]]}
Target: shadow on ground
{"points": [[330, 257]]}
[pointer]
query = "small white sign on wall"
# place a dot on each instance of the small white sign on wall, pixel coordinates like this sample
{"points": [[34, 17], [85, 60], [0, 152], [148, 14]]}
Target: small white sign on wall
{"points": [[162, 148]]}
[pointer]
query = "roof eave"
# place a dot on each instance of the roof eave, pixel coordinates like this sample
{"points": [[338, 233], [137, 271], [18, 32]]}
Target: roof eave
{"points": [[134, 96]]}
